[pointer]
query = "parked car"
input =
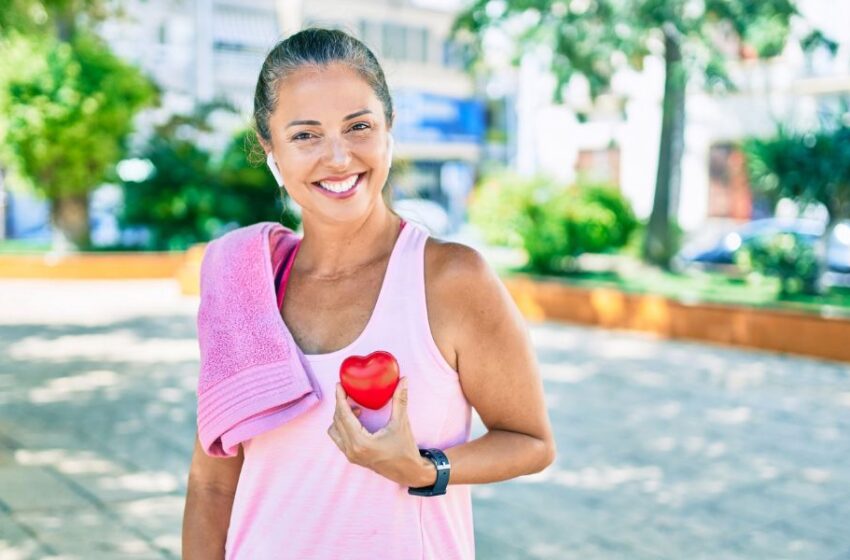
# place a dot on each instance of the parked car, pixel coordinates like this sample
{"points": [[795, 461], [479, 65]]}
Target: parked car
{"points": [[838, 256], [717, 251]]}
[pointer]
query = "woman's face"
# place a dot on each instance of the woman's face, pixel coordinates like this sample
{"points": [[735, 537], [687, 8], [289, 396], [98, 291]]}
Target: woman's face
{"points": [[330, 140]]}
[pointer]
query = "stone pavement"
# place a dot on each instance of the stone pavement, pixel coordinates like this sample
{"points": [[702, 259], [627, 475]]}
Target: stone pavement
{"points": [[666, 449]]}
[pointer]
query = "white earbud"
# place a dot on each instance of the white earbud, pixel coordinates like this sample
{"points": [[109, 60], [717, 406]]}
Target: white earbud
{"points": [[273, 168], [390, 143]]}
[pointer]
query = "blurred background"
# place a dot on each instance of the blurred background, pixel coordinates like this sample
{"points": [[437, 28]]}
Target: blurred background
{"points": [[677, 168], [705, 136]]}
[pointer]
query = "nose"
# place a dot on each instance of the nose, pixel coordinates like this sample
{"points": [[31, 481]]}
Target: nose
{"points": [[338, 155]]}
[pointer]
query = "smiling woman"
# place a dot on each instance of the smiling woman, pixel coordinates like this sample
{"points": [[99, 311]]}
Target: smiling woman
{"points": [[342, 480], [354, 148]]}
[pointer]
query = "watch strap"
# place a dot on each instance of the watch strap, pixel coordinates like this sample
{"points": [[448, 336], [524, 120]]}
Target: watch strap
{"points": [[440, 461]]}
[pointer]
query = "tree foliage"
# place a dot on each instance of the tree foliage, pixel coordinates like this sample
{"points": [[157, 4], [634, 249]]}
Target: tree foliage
{"points": [[51, 17], [806, 166], [67, 105], [68, 110], [597, 38], [192, 195]]}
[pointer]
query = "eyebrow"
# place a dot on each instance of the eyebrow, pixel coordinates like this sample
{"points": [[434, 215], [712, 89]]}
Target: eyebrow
{"points": [[347, 117]]}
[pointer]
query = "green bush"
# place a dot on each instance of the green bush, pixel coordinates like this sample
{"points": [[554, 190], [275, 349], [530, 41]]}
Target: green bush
{"points": [[497, 206], [554, 224], [192, 195], [785, 256], [563, 223]]}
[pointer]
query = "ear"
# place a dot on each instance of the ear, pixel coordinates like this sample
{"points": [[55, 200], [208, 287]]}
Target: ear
{"points": [[270, 161], [390, 144]]}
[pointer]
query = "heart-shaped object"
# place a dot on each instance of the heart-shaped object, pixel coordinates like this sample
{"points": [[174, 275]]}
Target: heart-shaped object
{"points": [[370, 380]]}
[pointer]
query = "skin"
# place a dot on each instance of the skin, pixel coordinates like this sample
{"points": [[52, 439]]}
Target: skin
{"points": [[336, 276]]}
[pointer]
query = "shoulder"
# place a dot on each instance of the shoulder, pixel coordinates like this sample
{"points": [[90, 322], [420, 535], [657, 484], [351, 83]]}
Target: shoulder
{"points": [[450, 263], [460, 280]]}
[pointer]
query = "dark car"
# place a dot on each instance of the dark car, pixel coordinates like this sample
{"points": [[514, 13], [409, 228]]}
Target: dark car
{"points": [[716, 251]]}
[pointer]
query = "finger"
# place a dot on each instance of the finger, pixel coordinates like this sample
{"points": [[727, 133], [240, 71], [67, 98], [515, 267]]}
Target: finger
{"points": [[334, 435], [399, 401], [343, 411]]}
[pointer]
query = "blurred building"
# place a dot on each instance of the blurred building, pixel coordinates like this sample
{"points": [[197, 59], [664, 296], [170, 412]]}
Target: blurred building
{"points": [[616, 139], [197, 51], [206, 50]]}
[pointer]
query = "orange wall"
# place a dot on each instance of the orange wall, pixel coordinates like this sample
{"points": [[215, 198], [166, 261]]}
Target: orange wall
{"points": [[780, 331]]}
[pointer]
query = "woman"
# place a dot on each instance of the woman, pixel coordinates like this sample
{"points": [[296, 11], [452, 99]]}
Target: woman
{"points": [[334, 483]]}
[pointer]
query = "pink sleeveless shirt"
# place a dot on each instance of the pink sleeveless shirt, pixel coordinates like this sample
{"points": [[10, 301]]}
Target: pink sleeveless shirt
{"points": [[299, 498]]}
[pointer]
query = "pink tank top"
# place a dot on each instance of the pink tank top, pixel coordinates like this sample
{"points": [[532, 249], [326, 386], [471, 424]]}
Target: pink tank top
{"points": [[299, 498]]}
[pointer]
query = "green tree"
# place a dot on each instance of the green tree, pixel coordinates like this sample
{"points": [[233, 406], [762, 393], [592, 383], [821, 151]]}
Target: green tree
{"points": [[192, 195], [67, 110], [57, 17], [595, 38], [806, 166]]}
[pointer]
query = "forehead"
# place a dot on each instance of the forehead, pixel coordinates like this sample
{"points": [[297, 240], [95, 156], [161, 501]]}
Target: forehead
{"points": [[331, 91]]}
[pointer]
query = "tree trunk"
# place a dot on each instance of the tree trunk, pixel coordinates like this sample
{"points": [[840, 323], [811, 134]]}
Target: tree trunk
{"points": [[660, 244], [69, 216]]}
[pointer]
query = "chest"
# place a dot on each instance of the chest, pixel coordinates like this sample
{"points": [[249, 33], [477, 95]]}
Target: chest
{"points": [[326, 315]]}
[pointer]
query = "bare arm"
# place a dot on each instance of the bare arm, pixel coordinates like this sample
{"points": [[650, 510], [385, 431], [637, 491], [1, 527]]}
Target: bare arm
{"points": [[498, 372], [209, 501]]}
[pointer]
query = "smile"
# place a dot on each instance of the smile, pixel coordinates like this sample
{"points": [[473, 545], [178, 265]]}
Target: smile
{"points": [[340, 187]]}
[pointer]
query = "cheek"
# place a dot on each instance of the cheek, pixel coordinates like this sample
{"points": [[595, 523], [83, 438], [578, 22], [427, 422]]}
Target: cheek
{"points": [[373, 154], [299, 163]]}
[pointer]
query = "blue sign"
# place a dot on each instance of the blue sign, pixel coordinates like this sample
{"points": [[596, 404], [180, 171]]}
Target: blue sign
{"points": [[425, 117]]}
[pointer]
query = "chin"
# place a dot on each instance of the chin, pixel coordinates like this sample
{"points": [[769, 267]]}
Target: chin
{"points": [[353, 209]]}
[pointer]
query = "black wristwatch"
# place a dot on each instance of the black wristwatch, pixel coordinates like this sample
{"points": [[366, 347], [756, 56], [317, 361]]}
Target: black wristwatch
{"points": [[443, 468]]}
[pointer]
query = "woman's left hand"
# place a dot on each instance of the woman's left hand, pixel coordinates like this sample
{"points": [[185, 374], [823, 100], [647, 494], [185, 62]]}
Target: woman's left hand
{"points": [[391, 451]]}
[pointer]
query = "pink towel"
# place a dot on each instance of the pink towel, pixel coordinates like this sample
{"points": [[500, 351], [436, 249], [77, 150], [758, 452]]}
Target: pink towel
{"points": [[253, 377]]}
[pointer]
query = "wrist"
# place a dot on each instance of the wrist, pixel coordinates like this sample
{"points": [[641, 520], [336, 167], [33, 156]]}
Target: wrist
{"points": [[426, 473]]}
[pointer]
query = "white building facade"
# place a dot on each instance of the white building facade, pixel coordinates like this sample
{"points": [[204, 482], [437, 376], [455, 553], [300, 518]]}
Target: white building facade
{"points": [[621, 145]]}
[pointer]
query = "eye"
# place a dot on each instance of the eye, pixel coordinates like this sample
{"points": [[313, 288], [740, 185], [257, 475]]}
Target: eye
{"points": [[360, 124], [302, 136]]}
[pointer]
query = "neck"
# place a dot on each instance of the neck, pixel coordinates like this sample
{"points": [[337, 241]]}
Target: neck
{"points": [[335, 249]]}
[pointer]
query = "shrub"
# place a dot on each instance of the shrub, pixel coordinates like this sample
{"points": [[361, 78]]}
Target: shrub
{"points": [[554, 224], [786, 256], [497, 206], [563, 223], [193, 195]]}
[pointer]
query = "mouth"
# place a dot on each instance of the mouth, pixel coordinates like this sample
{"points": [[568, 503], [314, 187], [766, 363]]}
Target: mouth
{"points": [[340, 189]]}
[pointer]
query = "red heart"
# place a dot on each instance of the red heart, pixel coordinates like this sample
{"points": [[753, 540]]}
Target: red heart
{"points": [[370, 380]]}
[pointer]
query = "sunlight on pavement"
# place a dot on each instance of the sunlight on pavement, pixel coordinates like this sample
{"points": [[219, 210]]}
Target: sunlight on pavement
{"points": [[117, 345], [66, 461]]}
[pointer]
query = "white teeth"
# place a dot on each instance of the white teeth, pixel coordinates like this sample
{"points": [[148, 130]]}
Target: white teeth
{"points": [[341, 186]]}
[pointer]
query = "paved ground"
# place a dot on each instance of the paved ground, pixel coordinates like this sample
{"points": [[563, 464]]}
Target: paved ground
{"points": [[667, 449]]}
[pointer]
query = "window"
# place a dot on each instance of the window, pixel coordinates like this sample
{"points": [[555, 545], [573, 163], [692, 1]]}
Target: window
{"points": [[417, 44], [395, 41], [455, 55], [370, 34], [394, 44]]}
